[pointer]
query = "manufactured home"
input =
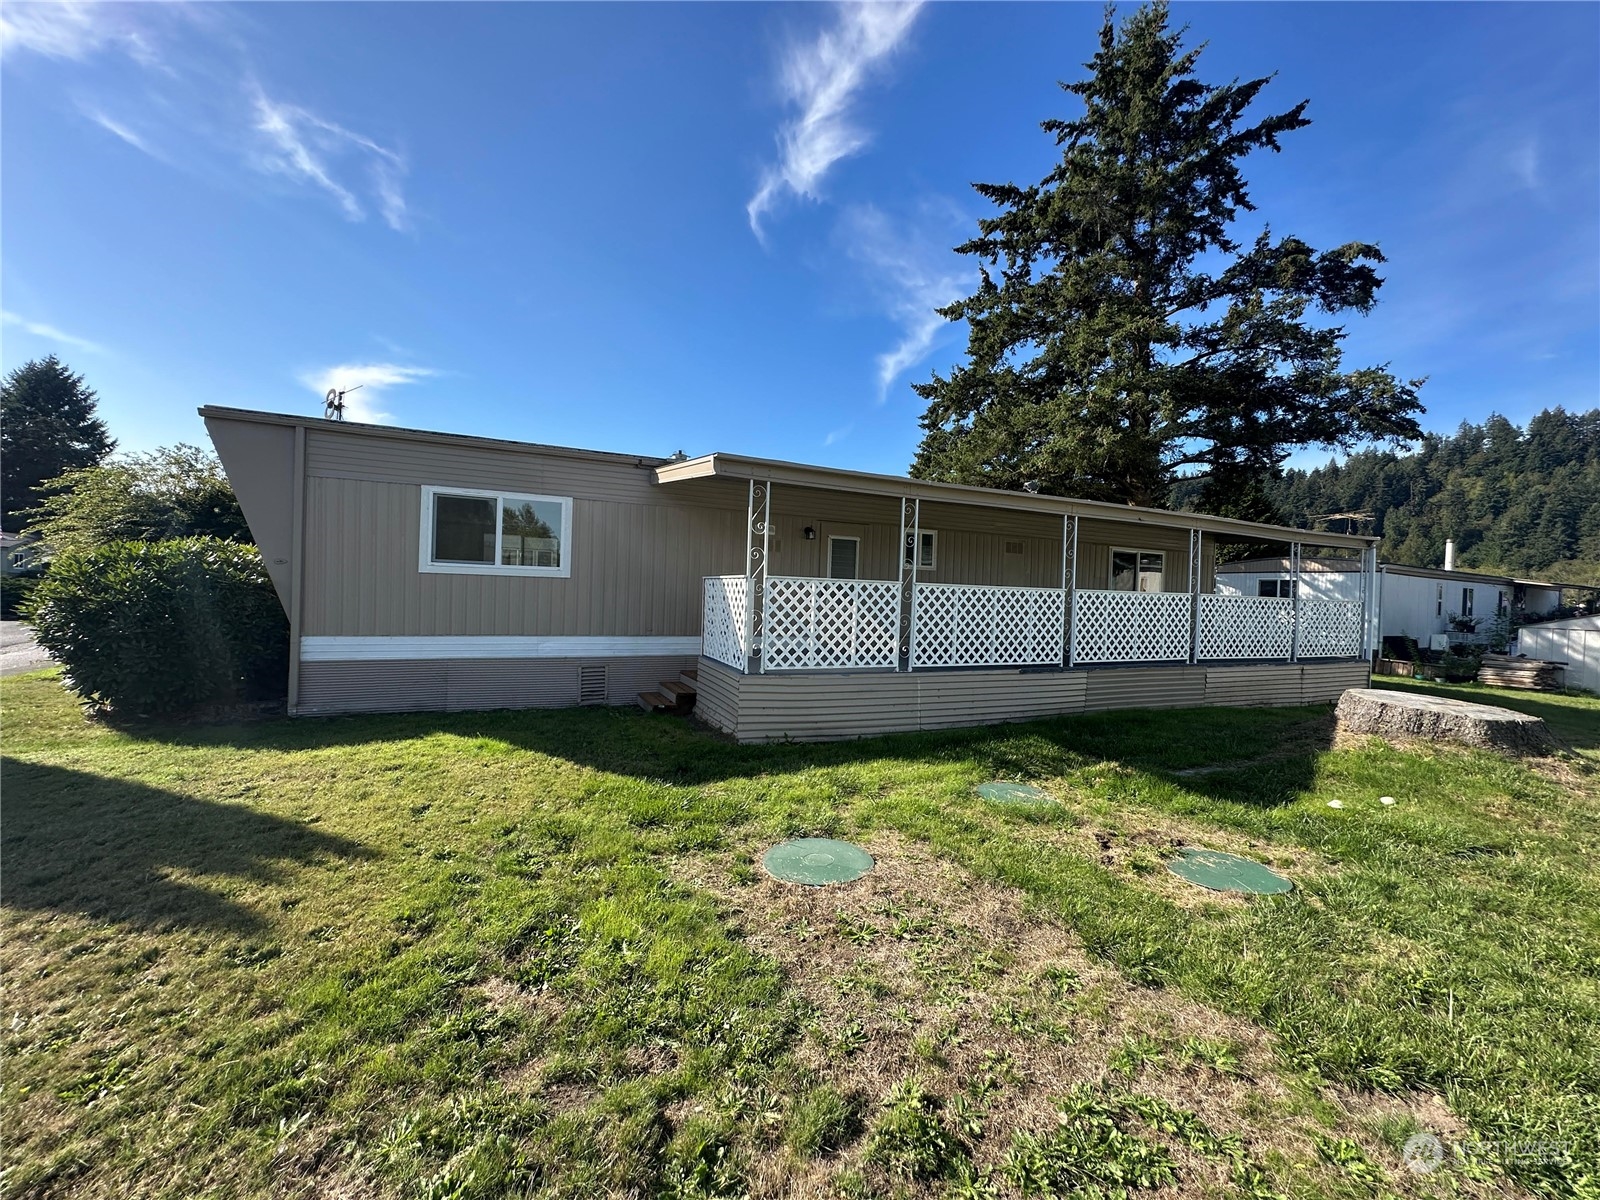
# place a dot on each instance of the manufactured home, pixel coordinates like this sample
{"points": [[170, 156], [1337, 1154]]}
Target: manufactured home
{"points": [[1423, 603], [425, 570]]}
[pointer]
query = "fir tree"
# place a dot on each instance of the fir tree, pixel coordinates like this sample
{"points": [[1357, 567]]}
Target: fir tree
{"points": [[1120, 337], [47, 426]]}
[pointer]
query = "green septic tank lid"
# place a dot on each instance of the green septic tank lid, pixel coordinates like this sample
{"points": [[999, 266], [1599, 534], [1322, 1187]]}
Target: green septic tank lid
{"points": [[1002, 792], [1227, 872], [816, 861]]}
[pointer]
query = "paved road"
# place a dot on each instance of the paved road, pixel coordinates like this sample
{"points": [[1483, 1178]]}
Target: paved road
{"points": [[18, 651]]}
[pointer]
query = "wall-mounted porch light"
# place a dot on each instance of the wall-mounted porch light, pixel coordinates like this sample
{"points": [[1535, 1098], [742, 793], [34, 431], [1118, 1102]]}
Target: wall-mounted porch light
{"points": [[811, 534]]}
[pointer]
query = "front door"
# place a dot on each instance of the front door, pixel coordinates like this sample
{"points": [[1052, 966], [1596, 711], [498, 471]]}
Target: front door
{"points": [[1014, 564]]}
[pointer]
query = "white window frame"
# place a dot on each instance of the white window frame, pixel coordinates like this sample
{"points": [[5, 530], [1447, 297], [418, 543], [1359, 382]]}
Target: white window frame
{"points": [[428, 566], [1468, 596], [1438, 610], [1282, 589], [843, 537], [1111, 566], [931, 540]]}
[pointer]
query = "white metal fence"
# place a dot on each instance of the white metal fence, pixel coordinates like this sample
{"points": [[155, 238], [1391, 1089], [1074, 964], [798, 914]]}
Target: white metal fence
{"points": [[974, 625], [1130, 627], [1245, 627], [722, 634], [1330, 629], [830, 624]]}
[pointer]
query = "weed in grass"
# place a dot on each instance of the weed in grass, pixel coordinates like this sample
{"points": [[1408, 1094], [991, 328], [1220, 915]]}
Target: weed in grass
{"points": [[1086, 1154], [1216, 1054], [910, 1139], [1351, 1159], [1137, 1052]]}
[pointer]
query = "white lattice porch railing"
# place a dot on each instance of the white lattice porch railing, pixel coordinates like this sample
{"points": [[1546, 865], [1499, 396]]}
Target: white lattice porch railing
{"points": [[1245, 627], [1130, 627], [975, 625], [1330, 629], [722, 630], [830, 624]]}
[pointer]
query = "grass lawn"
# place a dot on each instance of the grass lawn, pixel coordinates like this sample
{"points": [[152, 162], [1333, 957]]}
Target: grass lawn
{"points": [[507, 954]]}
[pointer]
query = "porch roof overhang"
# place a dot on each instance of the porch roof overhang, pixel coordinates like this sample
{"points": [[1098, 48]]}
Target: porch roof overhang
{"points": [[738, 466]]}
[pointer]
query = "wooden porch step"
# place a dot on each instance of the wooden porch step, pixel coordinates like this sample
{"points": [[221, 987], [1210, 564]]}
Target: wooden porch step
{"points": [[681, 692], [691, 675], [671, 695]]}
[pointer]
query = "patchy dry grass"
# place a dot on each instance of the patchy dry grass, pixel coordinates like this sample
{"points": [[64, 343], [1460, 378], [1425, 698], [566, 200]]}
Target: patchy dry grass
{"points": [[532, 954]]}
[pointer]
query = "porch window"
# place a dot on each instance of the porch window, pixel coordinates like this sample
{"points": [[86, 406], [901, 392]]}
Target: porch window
{"points": [[1138, 570], [844, 557], [1283, 588], [928, 552], [1466, 601], [495, 533]]}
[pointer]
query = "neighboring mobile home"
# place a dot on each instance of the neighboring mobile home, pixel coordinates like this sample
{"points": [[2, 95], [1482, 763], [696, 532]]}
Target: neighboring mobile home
{"points": [[436, 571], [1414, 602]]}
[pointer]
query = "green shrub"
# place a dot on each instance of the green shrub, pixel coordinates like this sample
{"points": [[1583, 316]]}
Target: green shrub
{"points": [[164, 627], [14, 593]]}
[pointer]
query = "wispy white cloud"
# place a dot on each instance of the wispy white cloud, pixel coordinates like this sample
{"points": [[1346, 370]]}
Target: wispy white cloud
{"points": [[822, 79], [187, 107], [73, 29], [912, 271], [373, 379], [305, 147], [118, 129], [51, 333], [839, 434], [1524, 163]]}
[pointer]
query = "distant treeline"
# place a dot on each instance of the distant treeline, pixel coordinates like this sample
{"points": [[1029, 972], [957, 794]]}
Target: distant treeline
{"points": [[1526, 502]]}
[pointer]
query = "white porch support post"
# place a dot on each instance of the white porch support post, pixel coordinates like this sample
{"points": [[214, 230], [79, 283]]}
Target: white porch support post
{"points": [[1369, 604], [910, 554], [1194, 592], [757, 532], [1069, 584], [1294, 592]]}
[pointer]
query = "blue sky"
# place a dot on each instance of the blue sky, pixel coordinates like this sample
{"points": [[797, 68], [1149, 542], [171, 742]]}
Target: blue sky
{"points": [[721, 226]]}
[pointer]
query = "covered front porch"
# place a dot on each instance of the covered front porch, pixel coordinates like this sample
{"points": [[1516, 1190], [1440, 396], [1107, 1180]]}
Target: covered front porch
{"points": [[933, 605]]}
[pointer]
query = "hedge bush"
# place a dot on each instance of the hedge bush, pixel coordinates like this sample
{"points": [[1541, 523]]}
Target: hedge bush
{"points": [[150, 628]]}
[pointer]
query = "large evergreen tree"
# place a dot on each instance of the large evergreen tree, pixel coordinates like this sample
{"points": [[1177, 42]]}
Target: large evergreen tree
{"points": [[47, 426], [1120, 338]]}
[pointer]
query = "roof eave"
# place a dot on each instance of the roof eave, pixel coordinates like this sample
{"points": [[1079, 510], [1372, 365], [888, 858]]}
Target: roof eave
{"points": [[836, 478]]}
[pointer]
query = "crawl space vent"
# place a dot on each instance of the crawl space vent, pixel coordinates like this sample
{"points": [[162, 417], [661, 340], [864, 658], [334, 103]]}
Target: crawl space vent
{"points": [[1013, 547], [592, 685]]}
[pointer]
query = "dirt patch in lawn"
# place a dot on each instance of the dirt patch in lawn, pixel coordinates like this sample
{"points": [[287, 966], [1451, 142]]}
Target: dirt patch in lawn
{"points": [[921, 971]]}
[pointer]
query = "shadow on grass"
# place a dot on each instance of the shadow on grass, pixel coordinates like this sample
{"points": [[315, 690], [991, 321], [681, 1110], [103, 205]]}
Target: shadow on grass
{"points": [[1257, 756], [104, 847]]}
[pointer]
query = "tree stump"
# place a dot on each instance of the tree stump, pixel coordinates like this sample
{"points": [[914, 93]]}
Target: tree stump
{"points": [[1435, 718]]}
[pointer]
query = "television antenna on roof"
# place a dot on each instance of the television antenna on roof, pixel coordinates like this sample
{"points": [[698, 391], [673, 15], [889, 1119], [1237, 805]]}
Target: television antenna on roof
{"points": [[333, 410]]}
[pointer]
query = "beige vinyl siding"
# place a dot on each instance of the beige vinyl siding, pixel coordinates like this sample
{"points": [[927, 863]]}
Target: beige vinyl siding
{"points": [[757, 708], [636, 569], [468, 684], [717, 699], [260, 466], [771, 708]]}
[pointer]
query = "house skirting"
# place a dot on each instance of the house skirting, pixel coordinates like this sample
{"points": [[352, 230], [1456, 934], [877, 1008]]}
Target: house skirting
{"points": [[820, 706], [371, 685]]}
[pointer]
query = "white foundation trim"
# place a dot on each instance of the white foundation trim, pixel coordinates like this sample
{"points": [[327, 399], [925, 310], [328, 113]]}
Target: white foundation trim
{"points": [[375, 649]]}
